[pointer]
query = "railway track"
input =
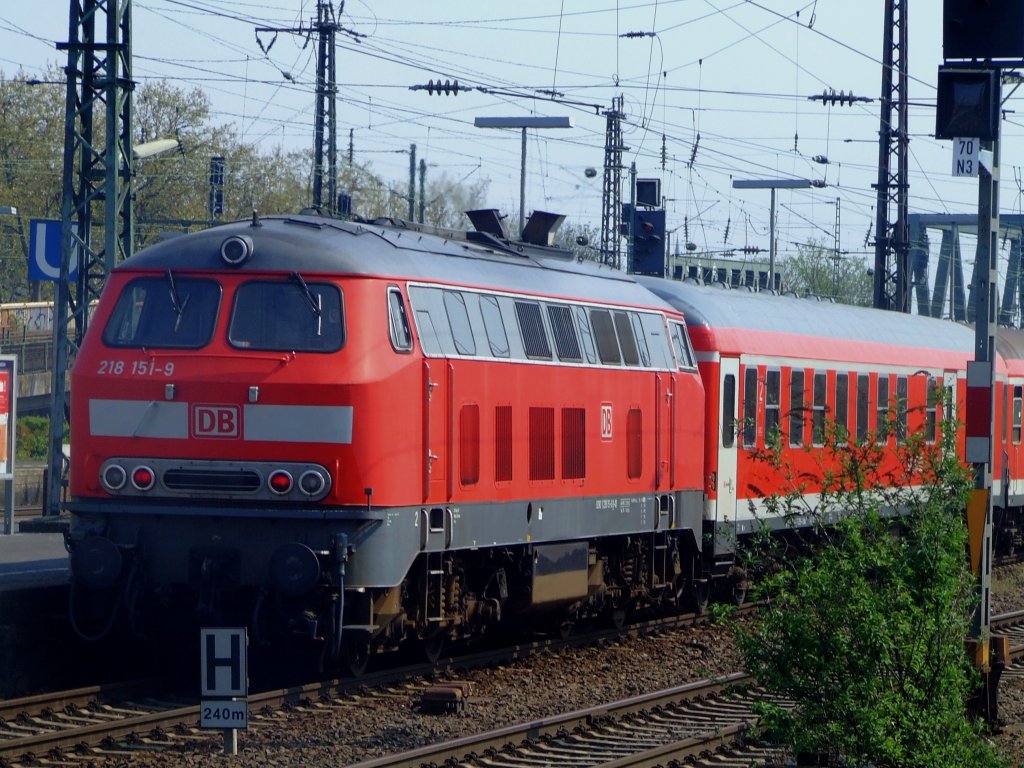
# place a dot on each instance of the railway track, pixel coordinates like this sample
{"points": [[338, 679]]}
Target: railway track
{"points": [[652, 729], [142, 714]]}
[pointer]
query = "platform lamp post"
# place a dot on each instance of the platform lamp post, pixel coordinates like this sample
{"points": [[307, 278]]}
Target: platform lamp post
{"points": [[774, 184], [523, 123]]}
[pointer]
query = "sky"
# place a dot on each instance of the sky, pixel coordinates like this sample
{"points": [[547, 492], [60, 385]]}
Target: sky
{"points": [[738, 74]]}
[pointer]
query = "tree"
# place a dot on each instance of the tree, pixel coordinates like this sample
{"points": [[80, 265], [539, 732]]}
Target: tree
{"points": [[818, 270], [866, 632], [31, 142]]}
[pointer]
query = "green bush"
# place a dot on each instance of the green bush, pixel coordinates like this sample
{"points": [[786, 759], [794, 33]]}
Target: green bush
{"points": [[865, 631]]}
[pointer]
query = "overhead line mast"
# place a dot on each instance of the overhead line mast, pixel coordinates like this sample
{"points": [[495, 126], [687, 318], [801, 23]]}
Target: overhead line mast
{"points": [[892, 249], [97, 175], [325, 121]]}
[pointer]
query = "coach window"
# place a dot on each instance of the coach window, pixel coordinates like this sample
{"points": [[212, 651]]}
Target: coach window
{"points": [[818, 405], [494, 326], [1017, 391], [796, 408], [842, 414], [398, 321], [291, 314], [531, 326], [586, 335], [750, 407], [882, 408], [931, 409], [566, 344], [863, 416], [164, 312], [728, 409], [604, 331], [772, 398], [901, 409], [458, 320], [627, 341]]}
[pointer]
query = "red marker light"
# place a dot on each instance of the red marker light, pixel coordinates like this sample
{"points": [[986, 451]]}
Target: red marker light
{"points": [[143, 478], [280, 482]]}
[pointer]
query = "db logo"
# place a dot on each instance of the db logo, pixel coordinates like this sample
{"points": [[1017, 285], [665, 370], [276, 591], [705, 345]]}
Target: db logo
{"points": [[215, 421], [606, 421]]}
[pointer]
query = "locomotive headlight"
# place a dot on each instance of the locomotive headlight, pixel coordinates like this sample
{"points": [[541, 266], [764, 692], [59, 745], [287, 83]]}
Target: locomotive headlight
{"points": [[236, 250], [143, 478], [280, 481], [113, 477], [312, 482]]}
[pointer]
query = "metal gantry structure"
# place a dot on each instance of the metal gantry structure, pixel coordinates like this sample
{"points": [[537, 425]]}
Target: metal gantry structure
{"points": [[891, 241], [611, 189], [97, 189], [325, 119]]}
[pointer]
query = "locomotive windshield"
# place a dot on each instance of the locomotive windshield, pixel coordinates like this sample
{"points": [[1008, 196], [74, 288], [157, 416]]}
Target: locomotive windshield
{"points": [[164, 312], [293, 315]]}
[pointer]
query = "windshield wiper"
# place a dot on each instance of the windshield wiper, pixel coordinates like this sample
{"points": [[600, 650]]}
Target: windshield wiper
{"points": [[176, 303], [314, 305]]}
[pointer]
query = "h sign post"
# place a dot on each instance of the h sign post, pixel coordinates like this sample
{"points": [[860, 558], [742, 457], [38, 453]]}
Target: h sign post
{"points": [[224, 682]]}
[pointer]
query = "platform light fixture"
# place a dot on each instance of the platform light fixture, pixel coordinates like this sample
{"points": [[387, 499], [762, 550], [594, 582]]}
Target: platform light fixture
{"points": [[529, 121]]}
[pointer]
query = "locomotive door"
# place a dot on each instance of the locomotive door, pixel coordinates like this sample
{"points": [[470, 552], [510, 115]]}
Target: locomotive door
{"points": [[664, 428], [436, 433], [729, 373]]}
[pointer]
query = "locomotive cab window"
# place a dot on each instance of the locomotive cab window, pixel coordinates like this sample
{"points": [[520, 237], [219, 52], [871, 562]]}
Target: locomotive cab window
{"points": [[293, 315], [164, 312], [398, 321]]}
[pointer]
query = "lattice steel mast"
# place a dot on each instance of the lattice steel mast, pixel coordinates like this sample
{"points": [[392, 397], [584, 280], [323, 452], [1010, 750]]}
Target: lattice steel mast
{"points": [[611, 191], [891, 289], [96, 177]]}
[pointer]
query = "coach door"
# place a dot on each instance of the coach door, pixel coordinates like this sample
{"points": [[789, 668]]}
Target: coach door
{"points": [[729, 371]]}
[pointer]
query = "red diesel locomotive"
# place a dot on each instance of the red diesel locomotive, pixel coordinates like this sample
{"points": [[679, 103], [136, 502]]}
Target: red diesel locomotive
{"points": [[368, 434]]}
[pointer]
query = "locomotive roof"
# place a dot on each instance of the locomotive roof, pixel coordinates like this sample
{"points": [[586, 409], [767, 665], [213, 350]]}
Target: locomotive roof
{"points": [[717, 309], [318, 245]]}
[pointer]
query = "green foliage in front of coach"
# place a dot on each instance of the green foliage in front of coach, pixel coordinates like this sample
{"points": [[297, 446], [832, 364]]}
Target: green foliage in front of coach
{"points": [[865, 631]]}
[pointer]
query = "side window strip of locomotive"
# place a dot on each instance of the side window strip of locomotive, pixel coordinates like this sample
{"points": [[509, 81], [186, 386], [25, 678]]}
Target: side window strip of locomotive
{"points": [[287, 315], [585, 332], [566, 344], [641, 339], [169, 311], [398, 321], [458, 320], [531, 327], [494, 326], [604, 330], [627, 341]]}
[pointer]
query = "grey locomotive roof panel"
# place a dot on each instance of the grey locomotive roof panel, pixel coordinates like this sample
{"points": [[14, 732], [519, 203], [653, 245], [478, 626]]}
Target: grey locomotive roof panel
{"points": [[310, 244], [720, 308]]}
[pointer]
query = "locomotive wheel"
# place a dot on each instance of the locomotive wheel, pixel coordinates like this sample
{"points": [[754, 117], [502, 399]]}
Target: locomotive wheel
{"points": [[700, 596], [618, 617], [433, 646], [565, 629], [355, 655]]}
